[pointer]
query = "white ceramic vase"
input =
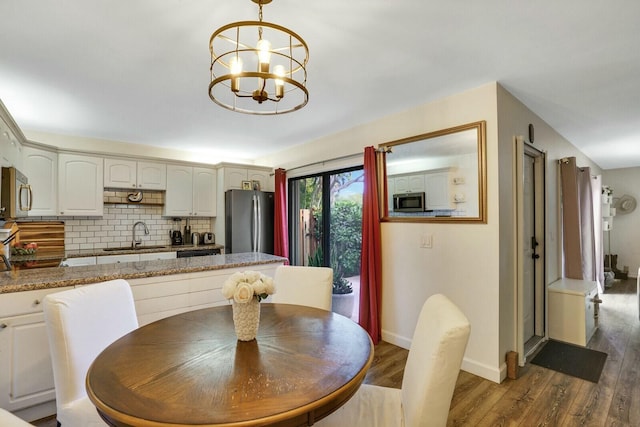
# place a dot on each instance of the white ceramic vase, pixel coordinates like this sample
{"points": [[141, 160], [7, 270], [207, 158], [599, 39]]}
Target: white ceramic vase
{"points": [[246, 319]]}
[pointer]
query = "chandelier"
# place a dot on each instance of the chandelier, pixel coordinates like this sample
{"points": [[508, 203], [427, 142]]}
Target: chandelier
{"points": [[258, 67]]}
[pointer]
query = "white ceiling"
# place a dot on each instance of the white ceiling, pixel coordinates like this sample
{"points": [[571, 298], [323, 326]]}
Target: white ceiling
{"points": [[137, 71]]}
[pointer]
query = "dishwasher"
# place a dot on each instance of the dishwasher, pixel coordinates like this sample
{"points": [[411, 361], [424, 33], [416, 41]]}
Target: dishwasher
{"points": [[197, 252]]}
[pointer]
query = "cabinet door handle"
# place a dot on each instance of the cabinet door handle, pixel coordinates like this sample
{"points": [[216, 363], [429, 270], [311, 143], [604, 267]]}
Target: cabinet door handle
{"points": [[3, 325], [36, 302]]}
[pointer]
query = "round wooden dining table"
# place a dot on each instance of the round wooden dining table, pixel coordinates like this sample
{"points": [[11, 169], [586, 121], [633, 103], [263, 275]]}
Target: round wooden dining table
{"points": [[190, 369]]}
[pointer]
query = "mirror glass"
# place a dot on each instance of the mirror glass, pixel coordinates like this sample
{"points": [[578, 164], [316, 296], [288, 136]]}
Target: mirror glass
{"points": [[436, 177]]}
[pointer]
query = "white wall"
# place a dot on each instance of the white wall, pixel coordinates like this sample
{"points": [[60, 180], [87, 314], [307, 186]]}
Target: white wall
{"points": [[473, 264], [625, 236], [102, 146], [463, 263]]}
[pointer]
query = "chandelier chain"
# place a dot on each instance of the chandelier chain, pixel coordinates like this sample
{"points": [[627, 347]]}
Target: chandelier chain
{"points": [[260, 19]]}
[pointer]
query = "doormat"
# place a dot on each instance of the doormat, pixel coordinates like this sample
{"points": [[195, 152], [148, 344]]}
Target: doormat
{"points": [[580, 362]]}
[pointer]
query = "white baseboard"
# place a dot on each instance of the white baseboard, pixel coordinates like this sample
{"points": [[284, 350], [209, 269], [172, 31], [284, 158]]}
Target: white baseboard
{"points": [[468, 365], [37, 412], [396, 339]]}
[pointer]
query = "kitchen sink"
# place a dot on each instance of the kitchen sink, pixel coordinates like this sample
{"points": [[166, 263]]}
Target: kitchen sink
{"points": [[136, 248]]}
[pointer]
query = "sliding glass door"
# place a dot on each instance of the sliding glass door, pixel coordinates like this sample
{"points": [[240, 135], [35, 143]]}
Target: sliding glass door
{"points": [[325, 212]]}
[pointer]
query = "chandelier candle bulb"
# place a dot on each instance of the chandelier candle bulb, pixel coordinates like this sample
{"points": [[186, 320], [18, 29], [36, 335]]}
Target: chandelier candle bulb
{"points": [[278, 70], [235, 65], [264, 55]]}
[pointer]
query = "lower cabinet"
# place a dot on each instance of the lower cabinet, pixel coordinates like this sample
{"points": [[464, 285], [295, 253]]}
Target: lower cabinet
{"points": [[155, 256], [26, 375], [163, 296]]}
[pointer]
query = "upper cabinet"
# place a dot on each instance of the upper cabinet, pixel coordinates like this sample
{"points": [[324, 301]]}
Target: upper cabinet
{"points": [[41, 168], [10, 141], [80, 185], [409, 183], [235, 176], [121, 173], [204, 192], [191, 191], [439, 195]]}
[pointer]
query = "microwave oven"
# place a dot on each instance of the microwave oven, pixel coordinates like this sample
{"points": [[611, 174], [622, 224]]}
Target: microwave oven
{"points": [[16, 197], [408, 202]]}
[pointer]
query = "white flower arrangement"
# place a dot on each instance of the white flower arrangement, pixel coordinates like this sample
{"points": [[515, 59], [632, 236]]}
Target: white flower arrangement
{"points": [[243, 286]]}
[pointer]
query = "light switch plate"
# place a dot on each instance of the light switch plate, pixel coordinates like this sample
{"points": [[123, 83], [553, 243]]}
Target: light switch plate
{"points": [[426, 241]]}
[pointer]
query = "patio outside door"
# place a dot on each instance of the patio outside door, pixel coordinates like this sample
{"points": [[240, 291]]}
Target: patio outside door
{"points": [[325, 212], [530, 189]]}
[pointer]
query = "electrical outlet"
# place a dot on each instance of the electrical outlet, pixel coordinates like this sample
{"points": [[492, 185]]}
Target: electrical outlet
{"points": [[426, 241]]}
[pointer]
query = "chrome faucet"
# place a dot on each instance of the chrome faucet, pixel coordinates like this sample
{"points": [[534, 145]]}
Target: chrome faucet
{"points": [[135, 242]]}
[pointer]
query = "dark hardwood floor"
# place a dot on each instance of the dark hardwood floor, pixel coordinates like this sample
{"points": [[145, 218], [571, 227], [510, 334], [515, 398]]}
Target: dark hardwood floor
{"points": [[541, 397]]}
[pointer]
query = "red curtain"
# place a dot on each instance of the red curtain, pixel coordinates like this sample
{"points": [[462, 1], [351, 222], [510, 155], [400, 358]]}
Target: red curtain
{"points": [[371, 260], [280, 228]]}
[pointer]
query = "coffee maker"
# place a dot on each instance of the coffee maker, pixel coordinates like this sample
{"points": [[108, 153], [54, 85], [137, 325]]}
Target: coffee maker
{"points": [[176, 237]]}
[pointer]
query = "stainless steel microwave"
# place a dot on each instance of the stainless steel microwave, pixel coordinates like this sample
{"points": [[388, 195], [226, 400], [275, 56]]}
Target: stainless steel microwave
{"points": [[16, 198], [408, 202]]}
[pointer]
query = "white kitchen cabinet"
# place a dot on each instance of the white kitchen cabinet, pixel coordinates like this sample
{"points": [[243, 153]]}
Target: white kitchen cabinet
{"points": [[27, 374], [121, 173], [162, 296], [233, 177], [116, 259], [41, 168], [204, 192], [438, 192], [154, 256], [79, 261], [409, 183], [80, 185], [11, 139], [572, 311], [191, 191], [10, 148]]}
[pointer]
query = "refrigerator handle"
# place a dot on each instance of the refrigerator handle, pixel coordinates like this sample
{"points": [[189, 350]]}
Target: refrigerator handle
{"points": [[254, 216], [259, 223]]}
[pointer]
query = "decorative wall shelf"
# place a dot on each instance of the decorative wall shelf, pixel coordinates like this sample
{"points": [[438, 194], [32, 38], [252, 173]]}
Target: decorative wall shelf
{"points": [[122, 197]]}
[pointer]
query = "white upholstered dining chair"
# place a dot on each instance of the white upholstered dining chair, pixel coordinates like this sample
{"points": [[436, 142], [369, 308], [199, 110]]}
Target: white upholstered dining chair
{"points": [[430, 375], [310, 286], [80, 324], [7, 419]]}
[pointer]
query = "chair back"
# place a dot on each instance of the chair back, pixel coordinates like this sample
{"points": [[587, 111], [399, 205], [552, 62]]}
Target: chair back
{"points": [[433, 364], [310, 286], [7, 419], [80, 323]]}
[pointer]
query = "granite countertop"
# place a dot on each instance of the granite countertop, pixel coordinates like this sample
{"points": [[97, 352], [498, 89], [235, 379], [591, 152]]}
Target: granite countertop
{"points": [[55, 277], [139, 250]]}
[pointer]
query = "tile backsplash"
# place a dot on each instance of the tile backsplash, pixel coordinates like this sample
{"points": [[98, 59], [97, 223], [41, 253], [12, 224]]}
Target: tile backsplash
{"points": [[114, 228]]}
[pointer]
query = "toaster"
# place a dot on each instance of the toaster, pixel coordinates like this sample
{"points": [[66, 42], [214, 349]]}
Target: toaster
{"points": [[208, 238]]}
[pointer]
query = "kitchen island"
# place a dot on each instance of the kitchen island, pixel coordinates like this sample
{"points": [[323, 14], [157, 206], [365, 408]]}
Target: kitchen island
{"points": [[54, 277], [160, 289]]}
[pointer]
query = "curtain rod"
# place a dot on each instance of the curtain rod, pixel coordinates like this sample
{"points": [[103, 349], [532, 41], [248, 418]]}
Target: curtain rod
{"points": [[348, 156]]}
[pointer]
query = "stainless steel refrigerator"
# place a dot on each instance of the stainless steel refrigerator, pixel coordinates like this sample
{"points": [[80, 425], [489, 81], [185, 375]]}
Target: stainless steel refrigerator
{"points": [[248, 221]]}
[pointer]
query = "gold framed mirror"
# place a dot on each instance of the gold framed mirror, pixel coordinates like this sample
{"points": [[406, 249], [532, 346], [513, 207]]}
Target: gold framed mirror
{"points": [[436, 177]]}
